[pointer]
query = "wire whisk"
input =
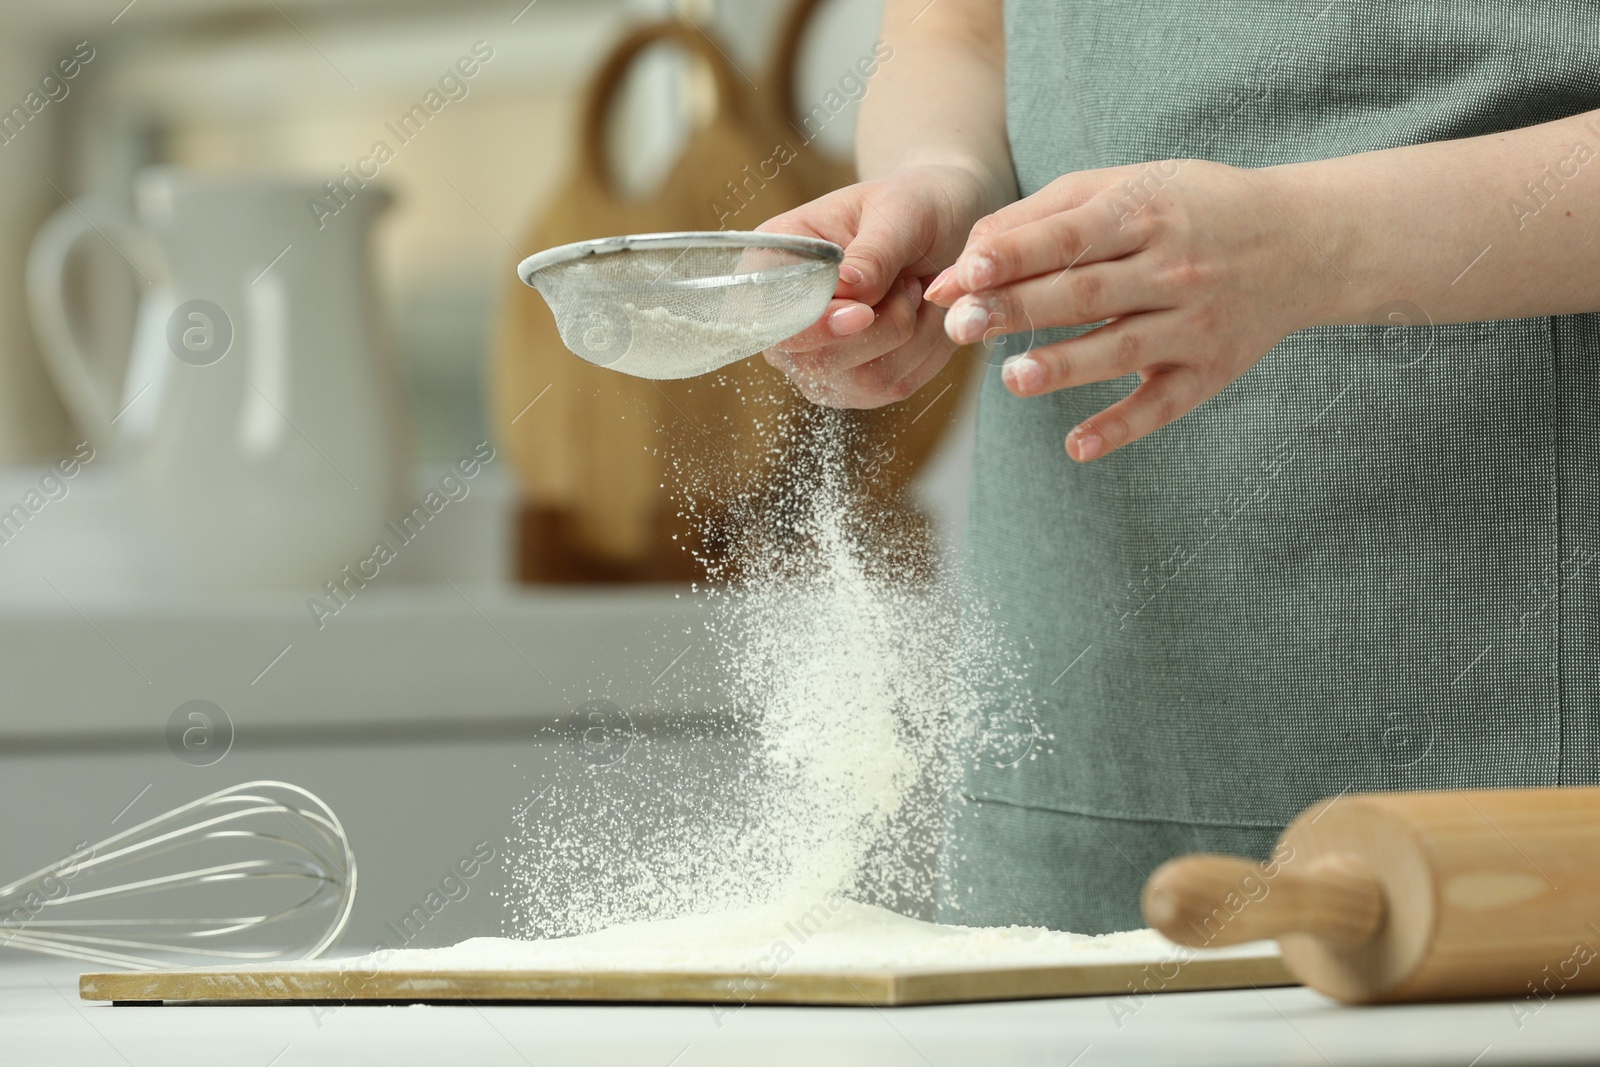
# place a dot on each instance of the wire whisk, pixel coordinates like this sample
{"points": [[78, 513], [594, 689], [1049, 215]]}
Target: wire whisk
{"points": [[258, 871]]}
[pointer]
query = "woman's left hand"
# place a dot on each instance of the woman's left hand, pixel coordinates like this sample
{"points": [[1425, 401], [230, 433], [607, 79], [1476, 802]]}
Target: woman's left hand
{"points": [[1193, 266]]}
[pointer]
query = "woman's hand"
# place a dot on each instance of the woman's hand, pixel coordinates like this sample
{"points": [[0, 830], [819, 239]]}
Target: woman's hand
{"points": [[878, 342], [1193, 267]]}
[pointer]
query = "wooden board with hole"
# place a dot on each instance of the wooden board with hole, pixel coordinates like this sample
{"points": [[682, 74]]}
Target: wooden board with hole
{"points": [[326, 983]]}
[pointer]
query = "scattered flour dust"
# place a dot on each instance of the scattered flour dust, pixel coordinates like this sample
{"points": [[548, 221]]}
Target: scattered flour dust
{"points": [[845, 691], [795, 936]]}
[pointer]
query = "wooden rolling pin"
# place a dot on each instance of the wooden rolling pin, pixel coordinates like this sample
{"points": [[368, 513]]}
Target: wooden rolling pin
{"points": [[1410, 896]]}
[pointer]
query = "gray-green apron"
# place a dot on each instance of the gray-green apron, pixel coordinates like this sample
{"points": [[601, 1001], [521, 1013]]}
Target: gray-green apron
{"points": [[1369, 563]]}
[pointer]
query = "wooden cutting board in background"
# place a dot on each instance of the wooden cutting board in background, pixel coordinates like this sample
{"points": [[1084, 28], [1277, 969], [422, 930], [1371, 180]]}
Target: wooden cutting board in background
{"points": [[1246, 966]]}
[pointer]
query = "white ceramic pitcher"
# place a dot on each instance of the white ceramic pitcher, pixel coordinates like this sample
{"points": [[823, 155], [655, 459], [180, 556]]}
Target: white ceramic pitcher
{"points": [[259, 418]]}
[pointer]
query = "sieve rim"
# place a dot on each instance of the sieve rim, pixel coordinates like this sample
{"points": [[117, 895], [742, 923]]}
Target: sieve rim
{"points": [[550, 257]]}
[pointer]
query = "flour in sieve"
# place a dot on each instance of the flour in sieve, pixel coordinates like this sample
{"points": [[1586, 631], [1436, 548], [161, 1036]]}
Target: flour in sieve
{"points": [[666, 345]]}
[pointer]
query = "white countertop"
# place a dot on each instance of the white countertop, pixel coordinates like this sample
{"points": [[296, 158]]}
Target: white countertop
{"points": [[43, 1022]]}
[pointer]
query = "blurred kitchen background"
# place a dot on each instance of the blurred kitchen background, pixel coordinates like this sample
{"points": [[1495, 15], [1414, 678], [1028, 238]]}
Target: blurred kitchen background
{"points": [[216, 398]]}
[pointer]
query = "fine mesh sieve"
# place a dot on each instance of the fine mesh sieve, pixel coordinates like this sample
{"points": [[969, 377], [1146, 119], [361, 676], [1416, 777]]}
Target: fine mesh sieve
{"points": [[675, 305]]}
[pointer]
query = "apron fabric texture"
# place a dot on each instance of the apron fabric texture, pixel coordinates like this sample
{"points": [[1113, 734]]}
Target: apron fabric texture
{"points": [[1368, 564]]}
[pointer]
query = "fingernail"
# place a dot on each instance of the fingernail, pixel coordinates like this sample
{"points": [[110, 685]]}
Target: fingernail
{"points": [[1023, 374], [914, 287], [965, 323], [852, 318], [851, 274], [979, 272], [940, 280], [1090, 444]]}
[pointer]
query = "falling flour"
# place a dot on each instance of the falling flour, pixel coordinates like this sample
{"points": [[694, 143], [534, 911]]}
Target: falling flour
{"points": [[847, 680]]}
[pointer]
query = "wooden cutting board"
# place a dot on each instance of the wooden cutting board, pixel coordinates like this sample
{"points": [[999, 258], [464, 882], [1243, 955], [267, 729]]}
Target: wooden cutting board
{"points": [[326, 982]]}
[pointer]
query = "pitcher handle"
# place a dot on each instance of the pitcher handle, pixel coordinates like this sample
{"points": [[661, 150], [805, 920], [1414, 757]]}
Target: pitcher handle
{"points": [[92, 405]]}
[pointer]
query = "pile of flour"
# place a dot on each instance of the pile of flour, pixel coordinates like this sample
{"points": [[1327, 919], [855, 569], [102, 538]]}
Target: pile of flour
{"points": [[798, 937]]}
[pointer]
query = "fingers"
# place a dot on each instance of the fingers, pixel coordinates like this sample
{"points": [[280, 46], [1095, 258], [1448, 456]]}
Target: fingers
{"points": [[1064, 194], [1163, 397], [882, 377], [924, 372], [891, 325], [889, 242], [882, 239], [881, 242], [1139, 344], [833, 217], [999, 256], [843, 318], [894, 377], [1085, 294], [1126, 346]]}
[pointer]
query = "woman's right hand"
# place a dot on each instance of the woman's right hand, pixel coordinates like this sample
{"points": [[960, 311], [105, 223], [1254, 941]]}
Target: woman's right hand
{"points": [[879, 341]]}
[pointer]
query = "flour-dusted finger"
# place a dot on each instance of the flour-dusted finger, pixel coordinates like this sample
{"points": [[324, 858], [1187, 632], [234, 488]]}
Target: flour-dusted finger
{"points": [[1049, 248], [1084, 294], [1163, 397], [1126, 346]]}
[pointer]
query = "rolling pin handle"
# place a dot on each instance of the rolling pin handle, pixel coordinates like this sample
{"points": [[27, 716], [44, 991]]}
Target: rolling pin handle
{"points": [[1208, 901]]}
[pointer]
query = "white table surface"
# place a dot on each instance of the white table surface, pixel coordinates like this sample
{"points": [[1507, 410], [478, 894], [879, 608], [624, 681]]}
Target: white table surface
{"points": [[43, 1022]]}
